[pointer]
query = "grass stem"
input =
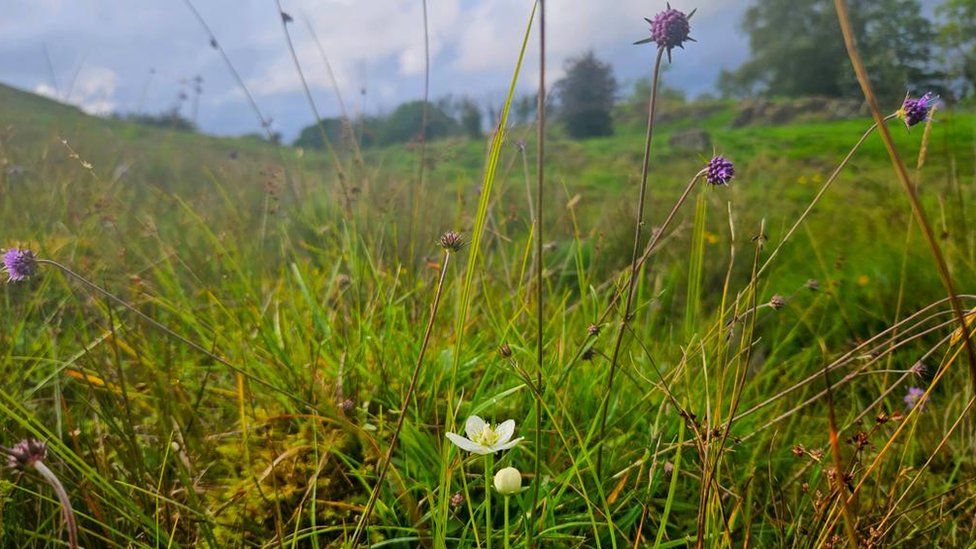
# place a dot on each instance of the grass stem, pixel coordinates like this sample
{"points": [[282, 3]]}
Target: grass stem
{"points": [[385, 464]]}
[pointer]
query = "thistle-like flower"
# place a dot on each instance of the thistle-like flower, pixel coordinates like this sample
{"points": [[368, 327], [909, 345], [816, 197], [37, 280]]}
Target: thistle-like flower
{"points": [[913, 398], [29, 454], [917, 109], [483, 439], [669, 29], [451, 241], [508, 481], [19, 264], [24, 454], [719, 171]]}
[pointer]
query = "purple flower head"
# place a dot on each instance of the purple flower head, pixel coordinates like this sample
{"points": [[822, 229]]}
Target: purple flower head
{"points": [[719, 171], [913, 396], [917, 109], [23, 454], [19, 264], [669, 29], [451, 241]]}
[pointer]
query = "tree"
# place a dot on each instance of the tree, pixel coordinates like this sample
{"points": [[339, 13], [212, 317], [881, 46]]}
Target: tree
{"points": [[404, 124], [470, 118], [523, 107], [586, 96], [957, 35], [798, 50]]}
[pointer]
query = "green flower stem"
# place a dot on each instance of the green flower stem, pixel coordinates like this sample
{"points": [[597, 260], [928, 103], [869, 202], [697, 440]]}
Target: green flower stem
{"points": [[488, 467], [66, 511], [506, 522]]}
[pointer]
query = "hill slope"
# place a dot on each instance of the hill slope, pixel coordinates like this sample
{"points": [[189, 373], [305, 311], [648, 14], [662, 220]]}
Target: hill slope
{"points": [[310, 290]]}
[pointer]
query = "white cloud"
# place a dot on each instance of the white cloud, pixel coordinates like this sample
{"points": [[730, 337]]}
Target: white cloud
{"points": [[93, 91]]}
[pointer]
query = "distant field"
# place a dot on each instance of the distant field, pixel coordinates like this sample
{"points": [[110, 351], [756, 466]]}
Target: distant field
{"points": [[318, 290]]}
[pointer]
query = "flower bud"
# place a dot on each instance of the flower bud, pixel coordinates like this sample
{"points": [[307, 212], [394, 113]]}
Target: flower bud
{"points": [[508, 481]]}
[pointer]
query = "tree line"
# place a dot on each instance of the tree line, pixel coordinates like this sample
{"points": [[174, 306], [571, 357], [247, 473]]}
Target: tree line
{"points": [[796, 51]]}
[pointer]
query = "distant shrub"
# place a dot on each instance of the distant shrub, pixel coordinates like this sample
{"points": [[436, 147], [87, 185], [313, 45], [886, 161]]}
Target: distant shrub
{"points": [[171, 119]]}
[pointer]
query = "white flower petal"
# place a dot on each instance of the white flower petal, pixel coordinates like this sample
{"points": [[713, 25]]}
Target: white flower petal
{"points": [[506, 446], [505, 431], [474, 426], [467, 445]]}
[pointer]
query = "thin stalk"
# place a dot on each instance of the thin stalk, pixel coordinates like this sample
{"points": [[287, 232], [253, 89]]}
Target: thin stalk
{"points": [[346, 119], [340, 173], [507, 542], [634, 266], [66, 511], [385, 465], [540, 291], [168, 331], [907, 185], [835, 452], [488, 467], [230, 66], [414, 196]]}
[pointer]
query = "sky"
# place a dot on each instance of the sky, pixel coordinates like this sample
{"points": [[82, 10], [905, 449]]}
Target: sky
{"points": [[139, 55]]}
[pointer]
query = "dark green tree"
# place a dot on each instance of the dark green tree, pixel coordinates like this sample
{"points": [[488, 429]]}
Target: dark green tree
{"points": [[404, 124], [470, 118], [798, 50], [586, 97], [957, 35]]}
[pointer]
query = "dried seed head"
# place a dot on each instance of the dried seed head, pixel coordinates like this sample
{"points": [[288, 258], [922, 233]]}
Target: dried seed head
{"points": [[451, 241], [918, 369], [588, 353], [813, 285], [346, 405], [505, 350], [777, 302], [798, 450], [593, 330]]}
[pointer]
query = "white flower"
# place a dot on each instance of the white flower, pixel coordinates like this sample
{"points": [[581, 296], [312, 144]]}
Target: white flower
{"points": [[508, 481], [483, 439]]}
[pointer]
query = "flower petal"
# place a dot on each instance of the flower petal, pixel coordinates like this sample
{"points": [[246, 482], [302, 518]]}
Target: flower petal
{"points": [[468, 445], [506, 446], [505, 431], [474, 426]]}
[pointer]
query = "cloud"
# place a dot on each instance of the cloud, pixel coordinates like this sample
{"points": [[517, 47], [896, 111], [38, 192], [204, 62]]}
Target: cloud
{"points": [[372, 44], [93, 91]]}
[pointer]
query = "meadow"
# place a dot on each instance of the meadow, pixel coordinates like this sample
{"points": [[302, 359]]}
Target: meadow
{"points": [[790, 372]]}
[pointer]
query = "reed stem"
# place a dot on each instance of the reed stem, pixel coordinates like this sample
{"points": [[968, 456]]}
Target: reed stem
{"points": [[635, 256]]}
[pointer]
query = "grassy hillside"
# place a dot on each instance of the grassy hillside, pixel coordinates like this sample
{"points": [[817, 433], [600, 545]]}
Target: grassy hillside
{"points": [[313, 289]]}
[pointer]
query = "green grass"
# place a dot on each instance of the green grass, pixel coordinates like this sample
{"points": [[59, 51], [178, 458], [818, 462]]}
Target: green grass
{"points": [[254, 257]]}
